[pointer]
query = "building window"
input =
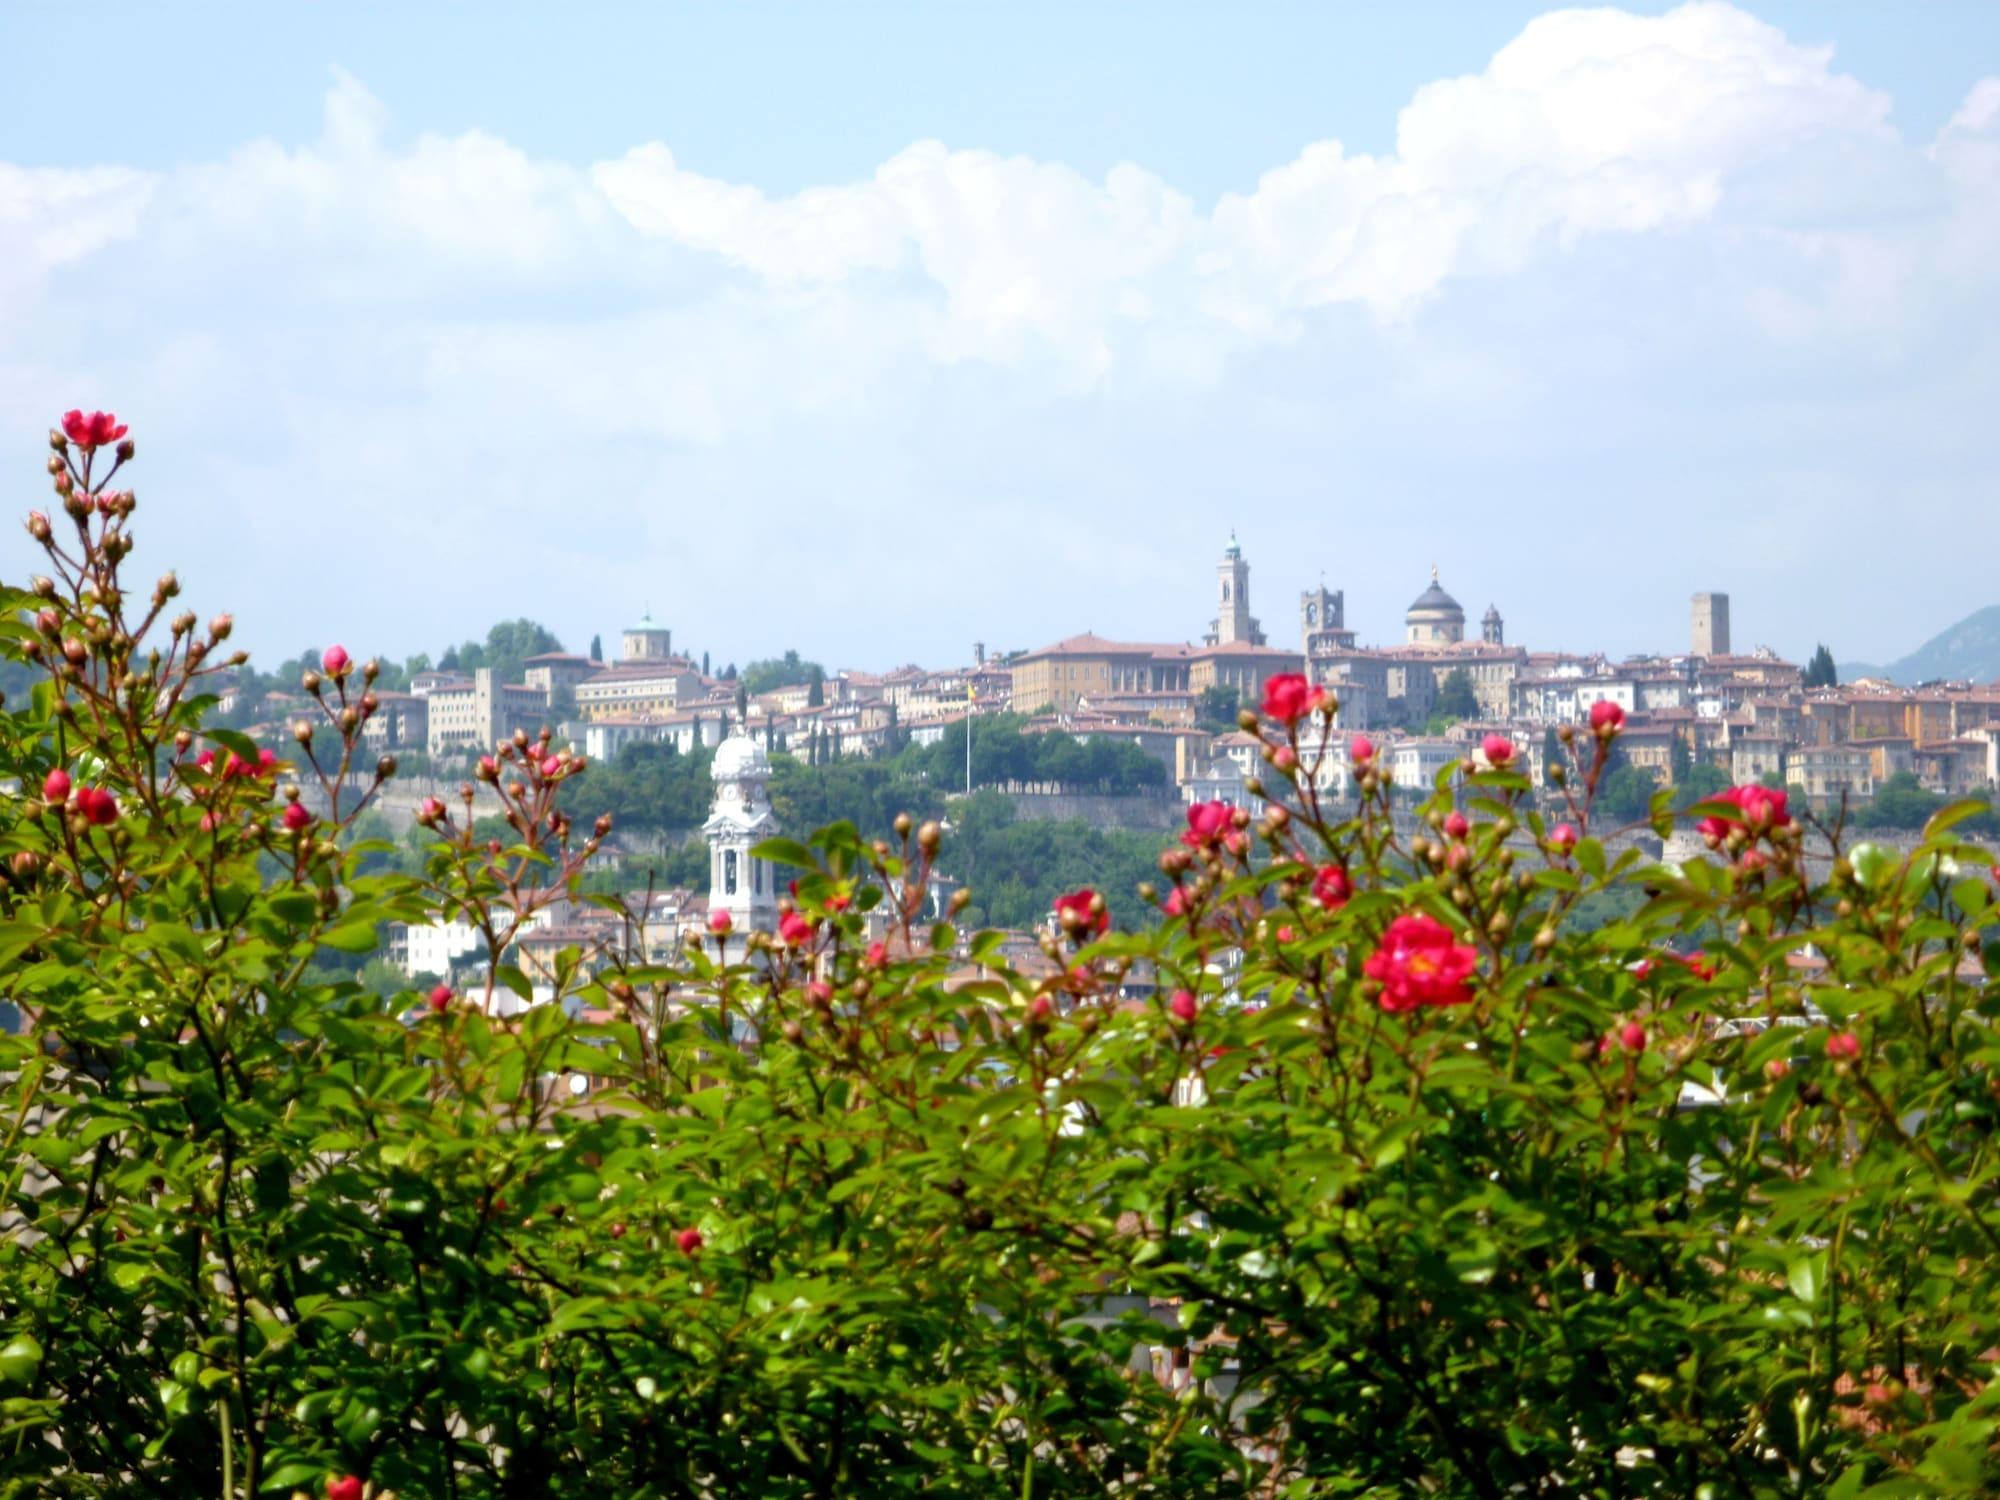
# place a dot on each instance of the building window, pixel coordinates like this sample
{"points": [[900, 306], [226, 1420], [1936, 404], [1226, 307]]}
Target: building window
{"points": [[729, 872], [757, 877]]}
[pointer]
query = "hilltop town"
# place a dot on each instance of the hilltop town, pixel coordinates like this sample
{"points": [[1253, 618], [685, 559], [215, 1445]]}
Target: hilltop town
{"points": [[1695, 720], [1749, 715]]}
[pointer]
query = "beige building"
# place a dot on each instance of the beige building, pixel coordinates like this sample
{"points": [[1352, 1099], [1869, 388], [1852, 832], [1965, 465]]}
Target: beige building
{"points": [[1243, 667], [638, 689], [1827, 772], [472, 719], [1088, 666], [556, 672]]}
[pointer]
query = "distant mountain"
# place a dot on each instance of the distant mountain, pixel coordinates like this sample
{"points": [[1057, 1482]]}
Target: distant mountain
{"points": [[1970, 649]]}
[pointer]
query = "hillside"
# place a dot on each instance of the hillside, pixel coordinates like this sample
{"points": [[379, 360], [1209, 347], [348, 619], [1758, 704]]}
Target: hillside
{"points": [[1969, 649]]}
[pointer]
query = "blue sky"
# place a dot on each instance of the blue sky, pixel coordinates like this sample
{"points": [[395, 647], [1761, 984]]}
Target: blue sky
{"points": [[878, 329]]}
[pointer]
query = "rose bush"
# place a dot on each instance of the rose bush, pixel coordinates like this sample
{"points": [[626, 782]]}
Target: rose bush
{"points": [[1364, 1169]]}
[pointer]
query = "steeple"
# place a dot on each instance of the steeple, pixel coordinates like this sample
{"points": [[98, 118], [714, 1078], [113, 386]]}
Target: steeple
{"points": [[739, 883]]}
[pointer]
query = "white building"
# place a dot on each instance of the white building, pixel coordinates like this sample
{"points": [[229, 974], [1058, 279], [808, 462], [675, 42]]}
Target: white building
{"points": [[431, 947], [738, 883]]}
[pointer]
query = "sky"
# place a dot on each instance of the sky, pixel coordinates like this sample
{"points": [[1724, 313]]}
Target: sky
{"points": [[880, 329]]}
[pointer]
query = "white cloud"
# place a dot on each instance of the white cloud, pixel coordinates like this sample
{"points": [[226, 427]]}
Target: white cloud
{"points": [[450, 343]]}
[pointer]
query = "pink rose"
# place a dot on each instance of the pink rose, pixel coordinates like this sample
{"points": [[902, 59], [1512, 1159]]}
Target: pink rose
{"points": [[1184, 1006], [1331, 887], [1288, 698], [1418, 963], [1498, 750], [97, 430], [1604, 714], [1083, 913]]}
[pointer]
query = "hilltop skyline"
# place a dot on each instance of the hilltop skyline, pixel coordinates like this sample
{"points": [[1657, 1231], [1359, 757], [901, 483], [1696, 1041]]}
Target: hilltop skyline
{"points": [[1591, 309]]}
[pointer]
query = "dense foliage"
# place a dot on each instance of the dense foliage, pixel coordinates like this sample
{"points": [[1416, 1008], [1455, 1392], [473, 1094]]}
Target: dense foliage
{"points": [[1368, 1172]]}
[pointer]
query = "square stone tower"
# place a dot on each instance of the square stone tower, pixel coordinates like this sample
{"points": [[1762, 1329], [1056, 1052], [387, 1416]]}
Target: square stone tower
{"points": [[1710, 625]]}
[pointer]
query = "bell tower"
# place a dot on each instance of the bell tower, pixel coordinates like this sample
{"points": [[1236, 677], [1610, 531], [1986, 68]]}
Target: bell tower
{"points": [[1233, 624], [738, 882]]}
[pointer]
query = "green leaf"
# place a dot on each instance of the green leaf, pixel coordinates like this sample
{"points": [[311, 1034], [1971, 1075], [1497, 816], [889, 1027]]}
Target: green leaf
{"points": [[785, 852]]}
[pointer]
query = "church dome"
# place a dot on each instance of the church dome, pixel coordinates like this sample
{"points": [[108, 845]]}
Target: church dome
{"points": [[1434, 600], [738, 757]]}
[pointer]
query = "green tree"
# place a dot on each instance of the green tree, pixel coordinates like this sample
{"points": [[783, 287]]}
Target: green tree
{"points": [[597, 648], [1820, 672], [1217, 707], [1456, 699], [788, 670], [815, 687]]}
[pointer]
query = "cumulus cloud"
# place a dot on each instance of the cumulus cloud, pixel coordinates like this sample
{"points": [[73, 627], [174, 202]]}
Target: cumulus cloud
{"points": [[685, 382]]}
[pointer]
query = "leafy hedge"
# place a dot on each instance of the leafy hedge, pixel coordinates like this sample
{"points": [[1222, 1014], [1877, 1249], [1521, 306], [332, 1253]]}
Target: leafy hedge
{"points": [[1365, 1173]]}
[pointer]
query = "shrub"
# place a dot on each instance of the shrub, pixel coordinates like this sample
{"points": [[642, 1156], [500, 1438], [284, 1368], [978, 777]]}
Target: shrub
{"points": [[1408, 1182]]}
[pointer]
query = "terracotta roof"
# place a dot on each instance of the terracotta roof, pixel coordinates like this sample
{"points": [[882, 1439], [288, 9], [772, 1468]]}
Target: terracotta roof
{"points": [[1096, 645]]}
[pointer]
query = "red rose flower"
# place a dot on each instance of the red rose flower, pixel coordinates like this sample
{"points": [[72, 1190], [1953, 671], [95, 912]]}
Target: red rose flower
{"points": [[1562, 837], [1604, 714], [1207, 823], [1632, 1037], [1083, 913], [335, 661], [795, 930], [343, 1487], [1331, 887], [1361, 749], [98, 806], [1177, 902], [1763, 808], [1418, 963], [55, 787], [1498, 750], [1843, 1046], [1288, 698], [1456, 826], [720, 922], [877, 956], [689, 1240], [1184, 1006], [440, 998], [95, 431], [297, 818]]}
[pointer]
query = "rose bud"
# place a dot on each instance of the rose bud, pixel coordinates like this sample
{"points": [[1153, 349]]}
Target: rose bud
{"points": [[689, 1241], [1184, 1006], [296, 817], [55, 787], [439, 998], [334, 661]]}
